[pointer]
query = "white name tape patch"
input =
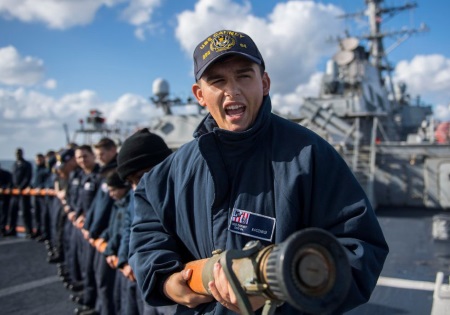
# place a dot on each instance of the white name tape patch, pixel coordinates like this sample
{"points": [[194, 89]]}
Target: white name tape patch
{"points": [[252, 224]]}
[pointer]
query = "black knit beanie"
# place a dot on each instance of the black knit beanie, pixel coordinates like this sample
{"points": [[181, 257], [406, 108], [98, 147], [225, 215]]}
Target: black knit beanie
{"points": [[114, 180], [140, 151]]}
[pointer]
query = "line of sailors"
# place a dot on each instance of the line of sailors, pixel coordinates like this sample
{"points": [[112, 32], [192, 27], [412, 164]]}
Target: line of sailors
{"points": [[86, 225], [32, 208]]}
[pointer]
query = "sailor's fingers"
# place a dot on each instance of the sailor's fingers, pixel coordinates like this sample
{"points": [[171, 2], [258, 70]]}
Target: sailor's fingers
{"points": [[221, 289], [177, 289]]}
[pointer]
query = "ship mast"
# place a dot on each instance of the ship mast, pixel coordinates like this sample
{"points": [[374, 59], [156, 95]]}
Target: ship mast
{"points": [[375, 37], [375, 14]]}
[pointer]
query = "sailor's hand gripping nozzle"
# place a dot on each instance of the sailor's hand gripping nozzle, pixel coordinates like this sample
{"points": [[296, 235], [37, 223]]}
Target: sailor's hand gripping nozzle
{"points": [[309, 270]]}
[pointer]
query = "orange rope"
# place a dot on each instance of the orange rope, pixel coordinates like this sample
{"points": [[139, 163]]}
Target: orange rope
{"points": [[28, 191]]}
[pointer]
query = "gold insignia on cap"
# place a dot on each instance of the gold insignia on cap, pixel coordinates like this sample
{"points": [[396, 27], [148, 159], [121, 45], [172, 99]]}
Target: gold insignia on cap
{"points": [[222, 42]]}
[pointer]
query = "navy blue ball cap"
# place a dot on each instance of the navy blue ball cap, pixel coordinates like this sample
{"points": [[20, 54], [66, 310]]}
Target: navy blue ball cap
{"points": [[222, 43], [64, 156]]}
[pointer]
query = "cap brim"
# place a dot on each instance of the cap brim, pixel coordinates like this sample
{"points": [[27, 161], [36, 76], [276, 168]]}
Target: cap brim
{"points": [[203, 69]]}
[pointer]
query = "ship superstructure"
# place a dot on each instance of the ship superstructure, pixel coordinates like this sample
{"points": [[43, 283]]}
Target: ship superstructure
{"points": [[386, 140]]}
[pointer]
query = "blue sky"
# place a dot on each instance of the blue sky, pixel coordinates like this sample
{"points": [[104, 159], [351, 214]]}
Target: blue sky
{"points": [[58, 59]]}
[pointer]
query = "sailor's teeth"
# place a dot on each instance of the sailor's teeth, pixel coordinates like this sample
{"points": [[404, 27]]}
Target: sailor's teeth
{"points": [[233, 107]]}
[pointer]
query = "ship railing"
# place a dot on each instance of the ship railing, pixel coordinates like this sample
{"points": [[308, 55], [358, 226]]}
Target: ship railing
{"points": [[369, 166], [370, 178], [346, 134], [326, 119], [91, 135], [373, 155]]}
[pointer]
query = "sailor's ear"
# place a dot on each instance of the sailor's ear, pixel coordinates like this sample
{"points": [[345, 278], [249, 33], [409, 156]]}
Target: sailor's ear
{"points": [[198, 93], [266, 84]]}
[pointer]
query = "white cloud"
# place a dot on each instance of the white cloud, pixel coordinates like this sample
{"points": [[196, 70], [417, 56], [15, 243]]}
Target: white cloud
{"points": [[442, 112], [35, 121], [18, 70], [61, 15], [427, 76], [292, 39], [132, 108], [141, 31], [56, 14], [139, 12], [50, 84], [289, 104]]}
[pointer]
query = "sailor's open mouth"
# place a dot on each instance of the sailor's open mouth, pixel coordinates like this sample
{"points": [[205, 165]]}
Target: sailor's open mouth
{"points": [[234, 110]]}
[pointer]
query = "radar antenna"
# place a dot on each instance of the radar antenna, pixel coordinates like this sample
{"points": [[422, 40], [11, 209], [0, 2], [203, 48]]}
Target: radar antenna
{"points": [[375, 15], [161, 99]]}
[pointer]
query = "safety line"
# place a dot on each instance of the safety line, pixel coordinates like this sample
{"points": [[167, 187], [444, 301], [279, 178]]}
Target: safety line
{"points": [[28, 286], [12, 241], [406, 284]]}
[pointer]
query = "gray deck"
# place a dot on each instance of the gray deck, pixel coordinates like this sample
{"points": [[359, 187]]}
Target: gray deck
{"points": [[28, 284], [413, 256]]}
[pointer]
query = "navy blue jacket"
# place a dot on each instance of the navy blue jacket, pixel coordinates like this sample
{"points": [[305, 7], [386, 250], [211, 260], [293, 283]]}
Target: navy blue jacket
{"points": [[98, 218], [89, 184], [22, 172], [73, 188], [276, 168], [124, 247], [41, 175], [113, 234], [5, 179], [98, 215]]}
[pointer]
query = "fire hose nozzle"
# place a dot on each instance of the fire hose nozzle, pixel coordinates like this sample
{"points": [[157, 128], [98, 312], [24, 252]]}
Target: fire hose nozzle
{"points": [[309, 270]]}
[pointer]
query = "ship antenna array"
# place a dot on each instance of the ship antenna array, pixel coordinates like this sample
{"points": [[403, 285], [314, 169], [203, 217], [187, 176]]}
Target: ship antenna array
{"points": [[375, 13], [161, 98]]}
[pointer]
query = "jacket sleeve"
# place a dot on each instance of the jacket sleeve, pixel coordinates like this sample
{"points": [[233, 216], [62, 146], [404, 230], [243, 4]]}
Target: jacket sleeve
{"points": [[111, 248], [9, 181], [101, 214], [112, 232], [105, 235], [28, 174], [154, 252], [124, 247], [89, 214], [340, 206], [78, 210]]}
